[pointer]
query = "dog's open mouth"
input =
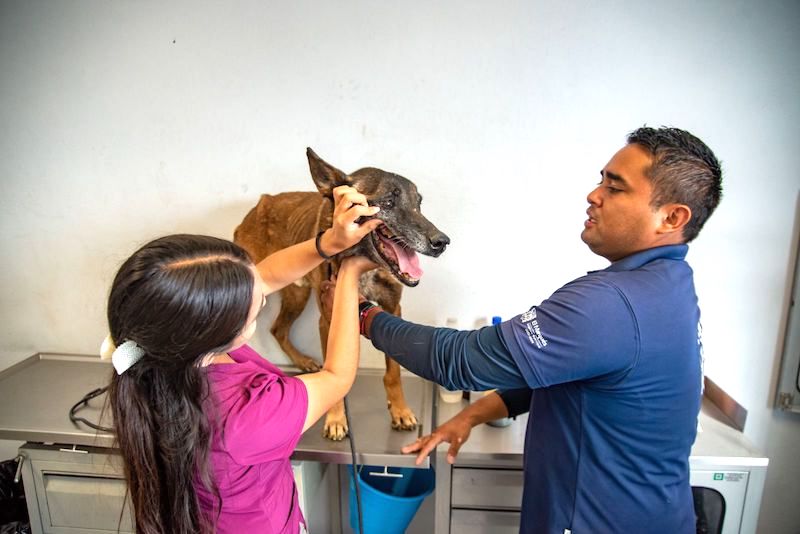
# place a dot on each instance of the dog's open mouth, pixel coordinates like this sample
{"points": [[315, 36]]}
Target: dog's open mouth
{"points": [[401, 259]]}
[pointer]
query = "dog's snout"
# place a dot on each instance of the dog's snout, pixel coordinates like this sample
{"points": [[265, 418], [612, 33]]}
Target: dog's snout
{"points": [[439, 242]]}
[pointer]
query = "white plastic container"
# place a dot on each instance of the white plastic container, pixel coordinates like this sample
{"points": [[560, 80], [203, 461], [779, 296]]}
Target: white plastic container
{"points": [[449, 396], [445, 394]]}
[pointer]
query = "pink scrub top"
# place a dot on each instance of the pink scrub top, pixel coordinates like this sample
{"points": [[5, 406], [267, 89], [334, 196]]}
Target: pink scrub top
{"points": [[259, 420]]}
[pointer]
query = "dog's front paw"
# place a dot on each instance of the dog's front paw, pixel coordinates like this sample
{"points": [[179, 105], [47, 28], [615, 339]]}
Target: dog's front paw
{"points": [[307, 365], [335, 428], [403, 418]]}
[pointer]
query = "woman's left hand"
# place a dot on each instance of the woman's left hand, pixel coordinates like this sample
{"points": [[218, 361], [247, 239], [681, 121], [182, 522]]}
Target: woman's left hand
{"points": [[349, 205], [327, 288]]}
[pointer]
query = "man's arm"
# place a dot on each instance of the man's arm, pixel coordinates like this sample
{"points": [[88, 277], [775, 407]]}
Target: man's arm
{"points": [[517, 401], [474, 360]]}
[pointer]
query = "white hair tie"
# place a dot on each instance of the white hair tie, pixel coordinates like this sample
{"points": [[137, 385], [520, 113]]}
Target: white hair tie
{"points": [[122, 357]]}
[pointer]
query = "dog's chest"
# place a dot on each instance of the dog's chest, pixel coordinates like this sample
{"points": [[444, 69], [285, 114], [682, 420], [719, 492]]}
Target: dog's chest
{"points": [[380, 286]]}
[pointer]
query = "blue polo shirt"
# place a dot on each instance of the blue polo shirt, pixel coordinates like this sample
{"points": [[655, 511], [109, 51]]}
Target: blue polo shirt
{"points": [[614, 359]]}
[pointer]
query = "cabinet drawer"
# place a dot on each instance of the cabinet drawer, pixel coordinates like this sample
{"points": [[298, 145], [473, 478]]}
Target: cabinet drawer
{"points": [[487, 488], [86, 502], [484, 522], [75, 491]]}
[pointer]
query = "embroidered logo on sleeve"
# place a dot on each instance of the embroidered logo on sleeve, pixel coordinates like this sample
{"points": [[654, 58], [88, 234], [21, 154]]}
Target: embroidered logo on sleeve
{"points": [[701, 355], [532, 329]]}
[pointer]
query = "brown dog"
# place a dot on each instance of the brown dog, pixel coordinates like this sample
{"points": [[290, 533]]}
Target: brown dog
{"points": [[279, 221]]}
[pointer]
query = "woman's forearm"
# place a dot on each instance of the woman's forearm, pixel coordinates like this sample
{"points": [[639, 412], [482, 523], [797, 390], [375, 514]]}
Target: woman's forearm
{"points": [[334, 380], [343, 337], [292, 263]]}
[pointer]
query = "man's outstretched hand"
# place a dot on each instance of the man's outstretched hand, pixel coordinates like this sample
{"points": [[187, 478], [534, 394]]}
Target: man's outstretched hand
{"points": [[455, 432]]}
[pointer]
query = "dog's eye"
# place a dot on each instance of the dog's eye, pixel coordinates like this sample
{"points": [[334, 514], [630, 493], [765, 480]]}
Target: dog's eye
{"points": [[387, 204]]}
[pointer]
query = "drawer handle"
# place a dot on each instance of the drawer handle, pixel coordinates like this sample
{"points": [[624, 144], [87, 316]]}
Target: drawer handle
{"points": [[19, 459], [74, 449]]}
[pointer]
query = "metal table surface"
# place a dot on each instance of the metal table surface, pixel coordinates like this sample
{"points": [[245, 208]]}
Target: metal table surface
{"points": [[37, 393], [717, 442]]}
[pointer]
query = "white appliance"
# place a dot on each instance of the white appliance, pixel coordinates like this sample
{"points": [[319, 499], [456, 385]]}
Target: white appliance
{"points": [[727, 475]]}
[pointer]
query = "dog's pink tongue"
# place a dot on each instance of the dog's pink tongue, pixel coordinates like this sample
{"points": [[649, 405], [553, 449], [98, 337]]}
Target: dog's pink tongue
{"points": [[407, 261]]}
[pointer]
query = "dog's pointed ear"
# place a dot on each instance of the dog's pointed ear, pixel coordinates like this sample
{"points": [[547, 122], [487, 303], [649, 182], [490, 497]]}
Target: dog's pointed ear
{"points": [[325, 176]]}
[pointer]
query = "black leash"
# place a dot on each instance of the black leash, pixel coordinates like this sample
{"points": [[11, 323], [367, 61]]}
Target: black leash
{"points": [[84, 402], [355, 467]]}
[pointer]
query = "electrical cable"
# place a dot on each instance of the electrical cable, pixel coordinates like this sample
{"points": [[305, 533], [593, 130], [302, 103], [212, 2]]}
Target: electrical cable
{"points": [[84, 402], [328, 271], [355, 467]]}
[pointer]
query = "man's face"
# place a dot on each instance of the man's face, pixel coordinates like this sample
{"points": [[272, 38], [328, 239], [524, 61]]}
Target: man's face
{"points": [[621, 220]]}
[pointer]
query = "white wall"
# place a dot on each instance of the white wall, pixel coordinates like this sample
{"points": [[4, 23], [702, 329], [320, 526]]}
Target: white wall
{"points": [[123, 121]]}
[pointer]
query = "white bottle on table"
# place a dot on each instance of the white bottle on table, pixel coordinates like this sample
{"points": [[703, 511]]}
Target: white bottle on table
{"points": [[504, 421], [445, 394]]}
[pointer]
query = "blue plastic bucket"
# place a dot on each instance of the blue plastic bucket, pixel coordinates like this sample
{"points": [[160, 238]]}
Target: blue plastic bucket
{"points": [[388, 504]]}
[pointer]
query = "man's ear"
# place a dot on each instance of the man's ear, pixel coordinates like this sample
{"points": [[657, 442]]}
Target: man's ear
{"points": [[674, 218], [325, 176]]}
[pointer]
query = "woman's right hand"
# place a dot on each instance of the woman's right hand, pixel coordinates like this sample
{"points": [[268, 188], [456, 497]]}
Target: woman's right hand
{"points": [[360, 264], [348, 206]]}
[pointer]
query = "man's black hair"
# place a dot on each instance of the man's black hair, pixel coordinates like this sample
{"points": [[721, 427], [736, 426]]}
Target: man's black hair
{"points": [[684, 171]]}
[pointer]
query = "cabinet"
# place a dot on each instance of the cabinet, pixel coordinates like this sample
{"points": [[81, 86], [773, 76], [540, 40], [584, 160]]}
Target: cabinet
{"points": [[75, 489], [482, 492], [485, 500], [79, 489]]}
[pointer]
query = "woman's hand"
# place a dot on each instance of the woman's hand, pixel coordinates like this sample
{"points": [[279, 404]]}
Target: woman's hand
{"points": [[349, 205], [326, 291], [360, 264]]}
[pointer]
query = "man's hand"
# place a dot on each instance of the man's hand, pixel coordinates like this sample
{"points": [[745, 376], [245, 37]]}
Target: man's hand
{"points": [[349, 205], [455, 432]]}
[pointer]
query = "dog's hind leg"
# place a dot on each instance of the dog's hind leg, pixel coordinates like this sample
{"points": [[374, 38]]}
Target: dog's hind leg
{"points": [[293, 302]]}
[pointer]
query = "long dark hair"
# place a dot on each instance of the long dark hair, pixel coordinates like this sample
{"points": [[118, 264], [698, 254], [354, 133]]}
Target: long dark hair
{"points": [[180, 298]]}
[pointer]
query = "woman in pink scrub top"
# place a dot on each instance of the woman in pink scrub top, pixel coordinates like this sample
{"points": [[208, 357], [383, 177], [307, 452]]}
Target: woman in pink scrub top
{"points": [[204, 424]]}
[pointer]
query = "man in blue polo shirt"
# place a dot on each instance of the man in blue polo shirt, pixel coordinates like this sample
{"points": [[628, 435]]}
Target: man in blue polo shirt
{"points": [[610, 365]]}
